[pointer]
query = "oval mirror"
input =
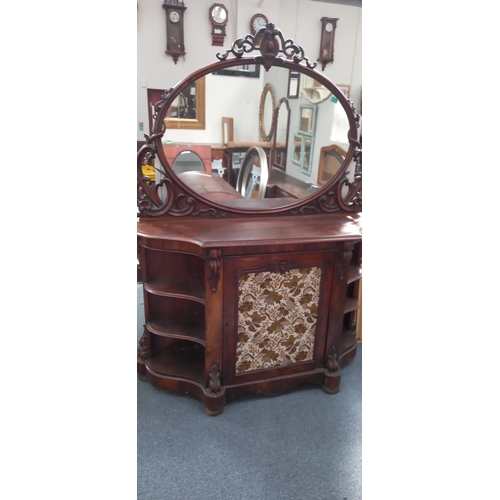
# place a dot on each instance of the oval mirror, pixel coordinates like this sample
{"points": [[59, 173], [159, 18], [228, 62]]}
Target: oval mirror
{"points": [[303, 144], [266, 110]]}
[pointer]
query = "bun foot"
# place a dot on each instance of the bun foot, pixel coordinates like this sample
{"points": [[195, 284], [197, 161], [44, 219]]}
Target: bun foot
{"points": [[214, 403], [331, 382]]}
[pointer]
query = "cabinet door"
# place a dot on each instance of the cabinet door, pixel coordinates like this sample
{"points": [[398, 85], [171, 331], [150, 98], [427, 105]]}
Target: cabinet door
{"points": [[275, 314]]}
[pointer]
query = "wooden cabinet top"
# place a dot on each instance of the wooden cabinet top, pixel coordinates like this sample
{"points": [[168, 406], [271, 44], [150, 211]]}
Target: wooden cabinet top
{"points": [[274, 232]]}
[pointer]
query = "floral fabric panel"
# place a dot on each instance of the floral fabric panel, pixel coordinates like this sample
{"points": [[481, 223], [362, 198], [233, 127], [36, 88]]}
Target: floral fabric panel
{"points": [[277, 316]]}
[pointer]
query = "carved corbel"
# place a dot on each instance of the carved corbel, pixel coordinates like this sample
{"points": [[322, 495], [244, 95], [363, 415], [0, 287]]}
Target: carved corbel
{"points": [[214, 268], [142, 349], [332, 364], [214, 385], [344, 260]]}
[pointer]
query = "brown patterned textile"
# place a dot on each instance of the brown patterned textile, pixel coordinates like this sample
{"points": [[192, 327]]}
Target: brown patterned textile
{"points": [[277, 316]]}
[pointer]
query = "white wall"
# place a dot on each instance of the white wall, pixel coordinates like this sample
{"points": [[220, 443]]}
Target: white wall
{"points": [[297, 19]]}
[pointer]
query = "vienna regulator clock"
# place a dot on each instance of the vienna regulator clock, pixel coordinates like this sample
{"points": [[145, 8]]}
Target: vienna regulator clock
{"points": [[175, 28], [328, 27]]}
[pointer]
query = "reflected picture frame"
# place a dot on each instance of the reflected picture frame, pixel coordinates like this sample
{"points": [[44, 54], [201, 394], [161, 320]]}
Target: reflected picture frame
{"points": [[345, 89], [307, 119], [298, 143], [307, 155], [245, 71], [293, 84]]}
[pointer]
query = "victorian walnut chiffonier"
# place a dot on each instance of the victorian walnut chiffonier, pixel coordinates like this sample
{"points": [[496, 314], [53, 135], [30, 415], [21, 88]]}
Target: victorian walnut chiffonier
{"points": [[250, 280]]}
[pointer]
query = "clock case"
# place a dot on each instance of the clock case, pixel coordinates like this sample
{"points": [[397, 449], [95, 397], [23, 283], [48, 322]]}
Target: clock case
{"points": [[327, 43], [218, 29], [175, 31]]}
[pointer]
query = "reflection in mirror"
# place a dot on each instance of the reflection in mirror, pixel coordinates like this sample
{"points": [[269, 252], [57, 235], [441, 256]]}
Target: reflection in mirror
{"points": [[188, 109], [312, 90], [293, 84], [266, 110], [293, 163], [330, 161], [187, 161], [252, 179], [281, 126], [298, 141], [307, 153], [307, 120]]}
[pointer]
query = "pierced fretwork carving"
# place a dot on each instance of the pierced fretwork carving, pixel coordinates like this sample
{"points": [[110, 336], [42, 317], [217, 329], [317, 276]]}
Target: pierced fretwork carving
{"points": [[214, 268], [332, 364], [270, 39], [214, 384]]}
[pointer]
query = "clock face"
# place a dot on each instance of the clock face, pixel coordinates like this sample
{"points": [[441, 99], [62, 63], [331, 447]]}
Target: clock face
{"points": [[174, 16], [329, 27], [259, 22], [218, 15]]}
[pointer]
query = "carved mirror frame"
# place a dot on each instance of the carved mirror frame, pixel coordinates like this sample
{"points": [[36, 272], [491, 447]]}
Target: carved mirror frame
{"points": [[170, 196]]}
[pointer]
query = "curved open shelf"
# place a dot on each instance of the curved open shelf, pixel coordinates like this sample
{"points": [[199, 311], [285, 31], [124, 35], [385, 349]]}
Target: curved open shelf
{"points": [[354, 273], [184, 287], [185, 326], [350, 305], [180, 359]]}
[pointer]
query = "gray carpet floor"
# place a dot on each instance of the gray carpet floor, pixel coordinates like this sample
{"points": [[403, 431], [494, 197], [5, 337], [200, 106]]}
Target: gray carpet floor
{"points": [[302, 445]]}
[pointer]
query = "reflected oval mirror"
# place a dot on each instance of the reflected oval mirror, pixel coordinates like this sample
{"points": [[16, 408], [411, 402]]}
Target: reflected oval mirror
{"points": [[187, 161], [266, 110], [242, 104]]}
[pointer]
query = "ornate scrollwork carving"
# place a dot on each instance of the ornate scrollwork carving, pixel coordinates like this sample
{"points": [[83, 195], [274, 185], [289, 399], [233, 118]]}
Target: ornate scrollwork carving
{"points": [[158, 105], [268, 41], [214, 384], [214, 268], [332, 364], [142, 349], [353, 200], [281, 267]]}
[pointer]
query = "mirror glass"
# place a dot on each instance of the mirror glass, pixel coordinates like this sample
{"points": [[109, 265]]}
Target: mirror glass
{"points": [[293, 84], [266, 111], [188, 109], [187, 161], [300, 131]]}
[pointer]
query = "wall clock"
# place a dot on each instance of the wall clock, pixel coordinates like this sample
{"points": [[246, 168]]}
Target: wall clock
{"points": [[218, 15], [328, 27], [258, 21], [175, 28]]}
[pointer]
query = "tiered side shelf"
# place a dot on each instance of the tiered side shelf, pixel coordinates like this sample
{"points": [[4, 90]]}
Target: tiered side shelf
{"points": [[348, 342], [174, 300]]}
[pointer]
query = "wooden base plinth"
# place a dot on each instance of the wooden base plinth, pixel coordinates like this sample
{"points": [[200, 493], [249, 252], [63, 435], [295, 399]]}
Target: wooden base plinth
{"points": [[214, 402]]}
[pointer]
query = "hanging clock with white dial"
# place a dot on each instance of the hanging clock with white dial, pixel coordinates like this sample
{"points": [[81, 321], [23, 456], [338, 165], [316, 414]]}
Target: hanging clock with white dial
{"points": [[328, 27], [258, 21], [175, 28], [218, 15]]}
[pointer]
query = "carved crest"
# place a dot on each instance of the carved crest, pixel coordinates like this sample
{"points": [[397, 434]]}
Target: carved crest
{"points": [[270, 43]]}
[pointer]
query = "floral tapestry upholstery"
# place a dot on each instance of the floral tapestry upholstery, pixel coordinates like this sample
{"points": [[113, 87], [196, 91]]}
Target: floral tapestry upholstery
{"points": [[277, 316]]}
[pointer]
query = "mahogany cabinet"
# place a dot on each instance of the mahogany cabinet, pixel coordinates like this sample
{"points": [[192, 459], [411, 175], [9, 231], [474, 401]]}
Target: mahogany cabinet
{"points": [[259, 294], [226, 313]]}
